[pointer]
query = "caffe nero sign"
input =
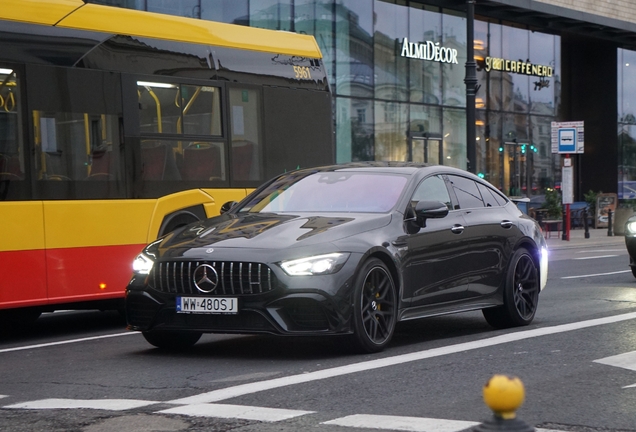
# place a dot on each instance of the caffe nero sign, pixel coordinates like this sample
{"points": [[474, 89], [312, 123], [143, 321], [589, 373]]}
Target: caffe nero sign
{"points": [[518, 66]]}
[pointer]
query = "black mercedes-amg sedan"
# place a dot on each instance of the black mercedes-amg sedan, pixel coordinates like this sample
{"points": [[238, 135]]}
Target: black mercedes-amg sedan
{"points": [[342, 250]]}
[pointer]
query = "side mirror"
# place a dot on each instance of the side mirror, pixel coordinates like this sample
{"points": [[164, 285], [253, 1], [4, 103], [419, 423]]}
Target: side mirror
{"points": [[227, 206], [430, 210]]}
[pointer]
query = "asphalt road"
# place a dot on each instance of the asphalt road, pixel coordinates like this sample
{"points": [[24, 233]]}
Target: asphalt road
{"points": [[81, 371]]}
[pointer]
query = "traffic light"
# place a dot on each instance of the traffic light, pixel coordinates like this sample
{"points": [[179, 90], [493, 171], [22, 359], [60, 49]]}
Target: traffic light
{"points": [[500, 149], [481, 175]]}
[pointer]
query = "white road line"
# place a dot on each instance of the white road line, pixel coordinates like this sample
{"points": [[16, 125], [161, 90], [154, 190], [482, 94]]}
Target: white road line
{"points": [[244, 389], [596, 274], [602, 250], [236, 412], [398, 423], [596, 257], [3, 396], [28, 347], [101, 404]]}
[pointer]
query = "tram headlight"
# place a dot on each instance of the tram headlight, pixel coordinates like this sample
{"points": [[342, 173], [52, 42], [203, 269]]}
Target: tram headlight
{"points": [[142, 264]]}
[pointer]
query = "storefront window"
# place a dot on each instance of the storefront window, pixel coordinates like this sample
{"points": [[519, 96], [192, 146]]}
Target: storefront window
{"points": [[232, 12], [626, 124], [354, 48], [454, 138], [542, 88], [315, 17], [425, 134], [515, 85], [390, 67], [271, 14], [354, 130], [425, 76], [184, 8], [488, 44], [453, 74], [542, 165], [391, 122]]}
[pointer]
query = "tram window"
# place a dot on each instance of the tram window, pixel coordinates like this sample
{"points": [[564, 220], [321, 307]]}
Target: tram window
{"points": [[246, 131], [77, 146], [170, 160], [168, 108], [11, 143], [201, 110]]}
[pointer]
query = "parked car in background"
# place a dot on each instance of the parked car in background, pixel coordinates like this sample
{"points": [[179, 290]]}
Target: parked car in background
{"points": [[630, 242], [342, 250]]}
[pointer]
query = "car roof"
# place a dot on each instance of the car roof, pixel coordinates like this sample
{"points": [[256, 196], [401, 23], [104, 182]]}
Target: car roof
{"points": [[388, 167]]}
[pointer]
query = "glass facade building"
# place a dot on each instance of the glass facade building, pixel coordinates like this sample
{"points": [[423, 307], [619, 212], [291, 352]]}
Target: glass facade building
{"points": [[397, 70]]}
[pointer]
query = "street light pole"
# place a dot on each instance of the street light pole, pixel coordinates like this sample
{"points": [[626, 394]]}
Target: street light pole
{"points": [[471, 88]]}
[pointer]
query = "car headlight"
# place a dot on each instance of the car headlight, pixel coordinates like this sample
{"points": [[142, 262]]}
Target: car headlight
{"points": [[315, 265], [142, 264], [630, 227]]}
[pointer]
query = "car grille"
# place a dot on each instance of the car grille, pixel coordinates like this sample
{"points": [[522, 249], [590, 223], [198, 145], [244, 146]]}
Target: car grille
{"points": [[234, 278]]}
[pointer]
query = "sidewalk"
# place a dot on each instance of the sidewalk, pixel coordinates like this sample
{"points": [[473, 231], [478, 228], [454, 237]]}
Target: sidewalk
{"points": [[598, 238]]}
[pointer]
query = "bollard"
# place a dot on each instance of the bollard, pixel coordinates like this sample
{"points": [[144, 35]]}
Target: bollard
{"points": [[503, 395], [585, 223], [610, 215]]}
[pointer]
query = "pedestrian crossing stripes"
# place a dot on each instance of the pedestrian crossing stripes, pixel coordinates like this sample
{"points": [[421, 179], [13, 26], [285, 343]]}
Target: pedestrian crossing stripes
{"points": [[261, 414]]}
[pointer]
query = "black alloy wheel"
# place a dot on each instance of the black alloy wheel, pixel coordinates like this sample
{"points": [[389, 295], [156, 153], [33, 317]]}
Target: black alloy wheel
{"points": [[171, 340], [521, 293], [375, 307]]}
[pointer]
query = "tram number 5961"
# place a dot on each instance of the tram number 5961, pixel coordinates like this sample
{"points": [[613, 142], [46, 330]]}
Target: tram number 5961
{"points": [[302, 72]]}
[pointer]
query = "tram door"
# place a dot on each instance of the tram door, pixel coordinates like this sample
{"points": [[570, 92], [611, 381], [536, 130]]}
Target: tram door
{"points": [[425, 149]]}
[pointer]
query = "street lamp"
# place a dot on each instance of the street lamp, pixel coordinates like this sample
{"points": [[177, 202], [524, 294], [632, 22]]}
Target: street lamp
{"points": [[471, 87]]}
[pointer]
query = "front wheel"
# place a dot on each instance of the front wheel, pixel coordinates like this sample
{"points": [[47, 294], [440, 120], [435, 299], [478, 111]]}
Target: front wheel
{"points": [[633, 271], [521, 293], [375, 307], [171, 340]]}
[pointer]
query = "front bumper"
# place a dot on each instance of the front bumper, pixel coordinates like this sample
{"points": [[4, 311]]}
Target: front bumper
{"points": [[305, 305]]}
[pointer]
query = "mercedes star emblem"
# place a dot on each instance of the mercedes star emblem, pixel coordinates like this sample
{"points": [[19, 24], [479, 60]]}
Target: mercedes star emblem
{"points": [[205, 278]]}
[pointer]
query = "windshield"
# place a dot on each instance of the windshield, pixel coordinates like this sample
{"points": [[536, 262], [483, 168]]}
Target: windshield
{"points": [[330, 192]]}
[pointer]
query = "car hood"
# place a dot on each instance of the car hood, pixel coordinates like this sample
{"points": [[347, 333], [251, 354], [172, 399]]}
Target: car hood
{"points": [[271, 231]]}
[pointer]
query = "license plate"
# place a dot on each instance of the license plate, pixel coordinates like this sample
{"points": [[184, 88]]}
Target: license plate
{"points": [[207, 305]]}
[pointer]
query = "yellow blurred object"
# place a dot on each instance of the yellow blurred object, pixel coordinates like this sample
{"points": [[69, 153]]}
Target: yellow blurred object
{"points": [[504, 395]]}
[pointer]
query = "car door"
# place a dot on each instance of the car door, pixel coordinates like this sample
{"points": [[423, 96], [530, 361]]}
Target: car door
{"points": [[433, 259], [488, 228]]}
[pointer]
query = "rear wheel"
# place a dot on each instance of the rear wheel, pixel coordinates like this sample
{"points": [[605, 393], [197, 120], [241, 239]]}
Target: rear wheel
{"points": [[521, 293], [375, 307], [171, 340], [633, 271]]}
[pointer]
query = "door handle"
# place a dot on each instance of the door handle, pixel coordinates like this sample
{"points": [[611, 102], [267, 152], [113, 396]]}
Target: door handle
{"points": [[506, 224], [457, 229]]}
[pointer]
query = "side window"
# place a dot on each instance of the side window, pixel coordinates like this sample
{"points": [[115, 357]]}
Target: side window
{"points": [[491, 198], [432, 189], [76, 116], [11, 146], [181, 132], [245, 130], [466, 191]]}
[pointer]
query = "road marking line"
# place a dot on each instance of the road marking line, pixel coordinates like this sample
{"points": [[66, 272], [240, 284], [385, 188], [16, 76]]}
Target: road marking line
{"points": [[602, 250], [595, 257], [101, 404], [626, 360], [28, 347], [399, 423], [3, 396], [249, 388], [596, 274], [236, 412]]}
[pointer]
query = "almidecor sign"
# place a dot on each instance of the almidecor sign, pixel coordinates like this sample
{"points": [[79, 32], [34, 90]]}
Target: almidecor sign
{"points": [[428, 51], [519, 66]]}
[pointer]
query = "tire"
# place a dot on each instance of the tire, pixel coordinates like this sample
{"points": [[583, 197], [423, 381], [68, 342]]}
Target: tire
{"points": [[172, 340], [633, 271], [520, 296], [374, 307]]}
